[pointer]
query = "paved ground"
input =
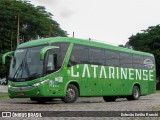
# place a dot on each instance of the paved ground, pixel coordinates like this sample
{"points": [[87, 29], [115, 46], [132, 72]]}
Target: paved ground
{"points": [[146, 103], [3, 88]]}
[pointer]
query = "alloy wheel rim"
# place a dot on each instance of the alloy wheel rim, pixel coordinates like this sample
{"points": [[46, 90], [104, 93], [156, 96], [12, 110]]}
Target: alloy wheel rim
{"points": [[70, 94], [136, 93]]}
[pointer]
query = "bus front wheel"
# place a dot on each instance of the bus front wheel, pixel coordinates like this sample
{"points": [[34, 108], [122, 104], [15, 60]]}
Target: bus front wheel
{"points": [[135, 94], [71, 94], [109, 98]]}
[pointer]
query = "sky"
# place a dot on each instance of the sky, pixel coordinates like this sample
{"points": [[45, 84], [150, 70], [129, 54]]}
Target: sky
{"points": [[108, 21]]}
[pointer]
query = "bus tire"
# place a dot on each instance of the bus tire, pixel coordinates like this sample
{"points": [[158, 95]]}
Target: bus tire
{"points": [[135, 94], [109, 98], [71, 94]]}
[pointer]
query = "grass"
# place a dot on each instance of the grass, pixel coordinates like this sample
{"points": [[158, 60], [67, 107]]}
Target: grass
{"points": [[158, 91], [4, 96]]}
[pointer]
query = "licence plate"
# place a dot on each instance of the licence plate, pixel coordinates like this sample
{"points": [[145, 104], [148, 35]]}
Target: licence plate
{"points": [[20, 94]]}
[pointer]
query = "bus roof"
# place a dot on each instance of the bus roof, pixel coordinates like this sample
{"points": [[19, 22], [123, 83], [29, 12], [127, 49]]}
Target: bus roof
{"points": [[79, 41]]}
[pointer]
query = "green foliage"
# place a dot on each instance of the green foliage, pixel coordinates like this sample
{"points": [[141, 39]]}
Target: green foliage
{"points": [[148, 41], [35, 22]]}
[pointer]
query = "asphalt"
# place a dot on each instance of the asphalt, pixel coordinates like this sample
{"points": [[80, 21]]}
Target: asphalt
{"points": [[3, 89]]}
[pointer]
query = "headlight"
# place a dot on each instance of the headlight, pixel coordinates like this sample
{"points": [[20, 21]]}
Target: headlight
{"points": [[40, 83]]}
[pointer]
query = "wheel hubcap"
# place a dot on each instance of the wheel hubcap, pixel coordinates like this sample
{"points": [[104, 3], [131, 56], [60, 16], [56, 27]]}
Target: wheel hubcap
{"points": [[70, 93], [136, 93]]}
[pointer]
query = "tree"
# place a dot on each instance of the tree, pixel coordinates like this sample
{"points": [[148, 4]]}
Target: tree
{"points": [[148, 41], [35, 22]]}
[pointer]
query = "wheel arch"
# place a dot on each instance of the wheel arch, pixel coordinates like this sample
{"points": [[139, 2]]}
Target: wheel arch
{"points": [[73, 82]]}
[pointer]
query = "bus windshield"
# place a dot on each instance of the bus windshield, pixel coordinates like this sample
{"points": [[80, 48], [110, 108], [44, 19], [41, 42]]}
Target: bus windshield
{"points": [[26, 63]]}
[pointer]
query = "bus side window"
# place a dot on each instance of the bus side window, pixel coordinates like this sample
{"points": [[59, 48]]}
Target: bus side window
{"points": [[125, 60], [148, 62], [96, 56], [72, 61], [61, 53], [112, 58], [50, 63], [79, 55], [138, 61]]}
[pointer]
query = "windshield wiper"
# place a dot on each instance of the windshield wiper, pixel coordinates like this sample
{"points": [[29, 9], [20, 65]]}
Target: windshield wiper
{"points": [[18, 70], [35, 75]]}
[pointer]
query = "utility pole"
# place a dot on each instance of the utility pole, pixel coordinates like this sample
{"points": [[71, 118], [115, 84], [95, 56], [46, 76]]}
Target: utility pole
{"points": [[73, 35], [11, 40], [49, 34], [18, 20]]}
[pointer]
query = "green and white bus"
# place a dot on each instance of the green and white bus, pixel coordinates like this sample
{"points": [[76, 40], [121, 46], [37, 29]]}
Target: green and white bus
{"points": [[69, 68]]}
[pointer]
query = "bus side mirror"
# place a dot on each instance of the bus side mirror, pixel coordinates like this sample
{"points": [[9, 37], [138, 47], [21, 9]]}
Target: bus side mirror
{"points": [[5, 56], [44, 50]]}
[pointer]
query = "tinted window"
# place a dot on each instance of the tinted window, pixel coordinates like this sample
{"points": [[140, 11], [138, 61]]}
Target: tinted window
{"points": [[96, 56], [111, 58], [63, 48], [148, 62], [137, 61], [125, 60], [56, 56], [79, 55], [26, 63]]}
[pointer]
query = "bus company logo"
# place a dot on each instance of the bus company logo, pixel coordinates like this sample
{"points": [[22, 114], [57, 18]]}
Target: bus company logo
{"points": [[6, 114], [51, 82], [59, 79], [148, 64], [110, 72]]}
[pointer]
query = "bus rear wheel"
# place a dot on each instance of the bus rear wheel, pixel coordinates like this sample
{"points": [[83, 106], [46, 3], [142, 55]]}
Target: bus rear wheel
{"points": [[71, 94], [109, 98], [135, 94]]}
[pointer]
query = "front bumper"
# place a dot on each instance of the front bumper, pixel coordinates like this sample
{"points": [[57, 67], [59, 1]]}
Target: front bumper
{"points": [[42, 90], [25, 92]]}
